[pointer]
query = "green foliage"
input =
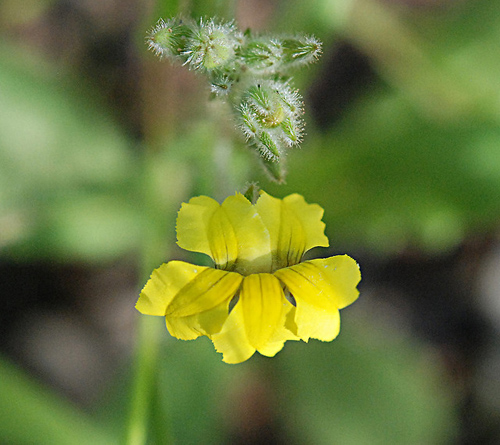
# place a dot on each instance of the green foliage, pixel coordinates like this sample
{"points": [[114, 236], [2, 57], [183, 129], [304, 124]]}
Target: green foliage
{"points": [[65, 168], [250, 72], [368, 387], [31, 414]]}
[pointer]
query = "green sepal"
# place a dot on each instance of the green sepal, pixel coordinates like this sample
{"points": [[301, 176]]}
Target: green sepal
{"points": [[267, 147], [252, 192]]}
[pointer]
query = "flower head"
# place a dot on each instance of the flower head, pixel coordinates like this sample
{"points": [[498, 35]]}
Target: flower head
{"points": [[258, 294]]}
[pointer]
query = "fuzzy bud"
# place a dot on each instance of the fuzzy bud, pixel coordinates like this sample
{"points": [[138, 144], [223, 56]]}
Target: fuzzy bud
{"points": [[259, 55], [212, 45], [168, 38], [300, 51], [270, 116]]}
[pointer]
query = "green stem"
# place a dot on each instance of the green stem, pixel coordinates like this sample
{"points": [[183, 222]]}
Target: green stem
{"points": [[146, 354], [149, 329]]}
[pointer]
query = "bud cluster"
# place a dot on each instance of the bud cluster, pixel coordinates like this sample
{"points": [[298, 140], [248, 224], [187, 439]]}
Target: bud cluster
{"points": [[250, 72]]}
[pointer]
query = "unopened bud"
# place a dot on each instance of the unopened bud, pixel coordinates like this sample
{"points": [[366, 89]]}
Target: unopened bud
{"points": [[211, 46], [168, 38], [300, 51]]}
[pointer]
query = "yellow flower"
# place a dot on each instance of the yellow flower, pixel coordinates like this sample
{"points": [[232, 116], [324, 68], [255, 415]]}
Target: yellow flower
{"points": [[259, 294]]}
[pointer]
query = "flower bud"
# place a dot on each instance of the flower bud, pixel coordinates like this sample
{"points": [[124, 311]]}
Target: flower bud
{"points": [[300, 51], [259, 55], [168, 38], [270, 116], [211, 45]]}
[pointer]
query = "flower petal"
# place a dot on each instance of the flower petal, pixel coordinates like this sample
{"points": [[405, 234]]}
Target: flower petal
{"points": [[294, 226], [264, 308], [194, 299], [343, 274], [309, 216], [164, 284], [254, 242], [232, 233], [209, 288], [232, 340], [280, 335], [311, 323], [202, 226], [204, 323], [321, 287], [257, 321]]}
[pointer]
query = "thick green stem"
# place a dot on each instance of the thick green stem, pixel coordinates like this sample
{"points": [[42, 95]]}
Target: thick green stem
{"points": [[146, 354]]}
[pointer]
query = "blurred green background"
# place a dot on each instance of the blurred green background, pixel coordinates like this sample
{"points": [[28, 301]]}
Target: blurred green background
{"points": [[100, 143]]}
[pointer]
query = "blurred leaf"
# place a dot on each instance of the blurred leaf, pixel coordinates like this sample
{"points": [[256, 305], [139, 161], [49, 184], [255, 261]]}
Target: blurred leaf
{"points": [[446, 61], [61, 158], [32, 414], [367, 387]]}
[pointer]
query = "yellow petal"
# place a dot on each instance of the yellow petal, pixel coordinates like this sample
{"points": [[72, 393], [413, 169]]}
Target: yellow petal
{"points": [[164, 284], [232, 233], [201, 307], [209, 288], [194, 299], [202, 226], [343, 274], [294, 226], [309, 216], [203, 323], [321, 287], [192, 224], [280, 335], [257, 322], [253, 240], [264, 308], [232, 340], [313, 323]]}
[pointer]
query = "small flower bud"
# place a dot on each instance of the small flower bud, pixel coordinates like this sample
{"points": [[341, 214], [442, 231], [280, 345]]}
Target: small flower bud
{"points": [[292, 131], [212, 45], [259, 55], [221, 84], [249, 121], [270, 115], [168, 38], [267, 105], [300, 51]]}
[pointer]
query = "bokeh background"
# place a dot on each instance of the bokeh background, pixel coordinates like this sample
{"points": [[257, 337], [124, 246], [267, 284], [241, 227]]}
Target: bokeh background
{"points": [[100, 143]]}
